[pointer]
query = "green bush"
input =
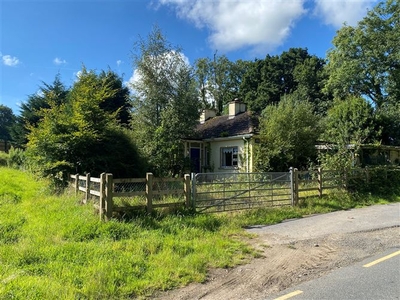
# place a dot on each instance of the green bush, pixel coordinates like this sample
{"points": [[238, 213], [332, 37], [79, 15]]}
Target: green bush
{"points": [[16, 158], [3, 159]]}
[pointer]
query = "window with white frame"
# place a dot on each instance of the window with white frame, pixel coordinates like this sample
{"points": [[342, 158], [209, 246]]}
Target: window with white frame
{"points": [[229, 157]]}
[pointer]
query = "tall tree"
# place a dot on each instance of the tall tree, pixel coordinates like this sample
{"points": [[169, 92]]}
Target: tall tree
{"points": [[30, 115], [288, 133], [365, 59], [119, 103], [295, 70], [310, 76], [349, 124], [388, 119], [219, 80], [80, 136], [166, 104], [204, 79], [7, 120]]}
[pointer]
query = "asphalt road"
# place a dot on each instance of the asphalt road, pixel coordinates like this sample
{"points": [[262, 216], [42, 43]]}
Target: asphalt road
{"points": [[377, 282], [359, 219], [369, 279]]}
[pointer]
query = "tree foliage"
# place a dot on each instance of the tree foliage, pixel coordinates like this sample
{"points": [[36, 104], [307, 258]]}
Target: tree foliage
{"points": [[348, 124], [388, 119], [30, 112], [166, 104], [80, 136], [219, 80], [288, 134], [7, 120], [350, 121], [267, 81], [119, 102], [365, 60]]}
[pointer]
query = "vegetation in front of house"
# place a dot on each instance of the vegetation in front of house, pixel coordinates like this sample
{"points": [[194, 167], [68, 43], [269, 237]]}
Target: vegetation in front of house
{"points": [[54, 247]]}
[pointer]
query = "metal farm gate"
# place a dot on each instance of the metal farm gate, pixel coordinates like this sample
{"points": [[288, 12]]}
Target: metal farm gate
{"points": [[218, 192]]}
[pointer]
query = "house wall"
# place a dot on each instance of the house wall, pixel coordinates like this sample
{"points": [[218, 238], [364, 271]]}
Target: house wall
{"points": [[215, 155], [251, 154]]}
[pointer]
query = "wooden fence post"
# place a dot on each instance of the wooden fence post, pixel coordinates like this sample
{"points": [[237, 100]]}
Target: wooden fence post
{"points": [[87, 192], [149, 191], [187, 191], [109, 195], [296, 186], [76, 184], [320, 182], [102, 194]]}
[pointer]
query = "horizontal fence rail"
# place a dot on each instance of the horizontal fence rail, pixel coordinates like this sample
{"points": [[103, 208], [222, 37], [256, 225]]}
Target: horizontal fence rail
{"points": [[216, 192], [122, 195], [220, 192]]}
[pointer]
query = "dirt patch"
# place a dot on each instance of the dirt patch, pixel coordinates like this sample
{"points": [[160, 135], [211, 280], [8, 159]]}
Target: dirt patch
{"points": [[285, 264]]}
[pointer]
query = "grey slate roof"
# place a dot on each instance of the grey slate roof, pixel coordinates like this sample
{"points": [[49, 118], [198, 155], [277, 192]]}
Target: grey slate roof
{"points": [[224, 126]]}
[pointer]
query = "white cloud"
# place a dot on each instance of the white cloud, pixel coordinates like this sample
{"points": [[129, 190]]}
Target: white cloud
{"points": [[58, 61], [338, 12], [119, 62], [258, 24], [9, 60], [133, 79], [77, 75]]}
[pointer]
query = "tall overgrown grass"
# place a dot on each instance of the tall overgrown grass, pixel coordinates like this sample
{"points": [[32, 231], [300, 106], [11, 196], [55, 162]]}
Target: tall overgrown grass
{"points": [[51, 247]]}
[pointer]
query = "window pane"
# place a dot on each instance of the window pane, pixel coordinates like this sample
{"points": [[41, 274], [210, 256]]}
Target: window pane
{"points": [[229, 157]]}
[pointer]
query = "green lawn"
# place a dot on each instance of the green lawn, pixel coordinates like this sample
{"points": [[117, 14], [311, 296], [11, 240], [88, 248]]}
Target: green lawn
{"points": [[51, 247]]}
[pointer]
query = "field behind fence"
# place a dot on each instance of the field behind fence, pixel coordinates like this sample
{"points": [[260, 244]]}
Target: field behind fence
{"points": [[219, 192]]}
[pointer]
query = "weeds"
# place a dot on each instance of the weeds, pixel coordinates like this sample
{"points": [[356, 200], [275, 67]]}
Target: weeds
{"points": [[51, 247]]}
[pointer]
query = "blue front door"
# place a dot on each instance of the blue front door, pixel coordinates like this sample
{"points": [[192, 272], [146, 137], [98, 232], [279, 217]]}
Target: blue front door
{"points": [[195, 159]]}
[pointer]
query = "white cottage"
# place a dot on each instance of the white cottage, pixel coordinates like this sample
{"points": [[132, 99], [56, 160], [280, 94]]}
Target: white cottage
{"points": [[223, 143]]}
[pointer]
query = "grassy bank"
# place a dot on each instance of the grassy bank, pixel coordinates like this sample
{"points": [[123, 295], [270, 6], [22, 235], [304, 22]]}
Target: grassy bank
{"points": [[53, 248]]}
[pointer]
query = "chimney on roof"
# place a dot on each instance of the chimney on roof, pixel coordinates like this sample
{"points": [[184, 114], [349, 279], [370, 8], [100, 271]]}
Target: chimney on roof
{"points": [[207, 114], [236, 107]]}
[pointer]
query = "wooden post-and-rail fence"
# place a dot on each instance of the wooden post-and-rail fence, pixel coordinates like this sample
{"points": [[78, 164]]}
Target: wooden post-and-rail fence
{"points": [[105, 189]]}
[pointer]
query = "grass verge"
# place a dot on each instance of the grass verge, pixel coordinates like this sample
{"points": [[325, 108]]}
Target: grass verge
{"points": [[53, 248]]}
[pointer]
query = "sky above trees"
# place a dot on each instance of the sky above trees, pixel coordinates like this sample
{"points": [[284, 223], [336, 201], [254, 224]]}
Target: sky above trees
{"points": [[42, 38]]}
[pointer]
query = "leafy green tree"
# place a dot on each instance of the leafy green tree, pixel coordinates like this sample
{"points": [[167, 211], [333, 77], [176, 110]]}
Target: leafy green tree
{"points": [[80, 136], [350, 121], [219, 80], [311, 76], [288, 134], [119, 103], [388, 119], [166, 104], [267, 81], [249, 86], [30, 112], [203, 77], [365, 59], [7, 120], [348, 124]]}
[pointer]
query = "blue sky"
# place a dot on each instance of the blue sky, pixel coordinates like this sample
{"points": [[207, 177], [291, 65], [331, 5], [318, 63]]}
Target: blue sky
{"points": [[41, 38]]}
